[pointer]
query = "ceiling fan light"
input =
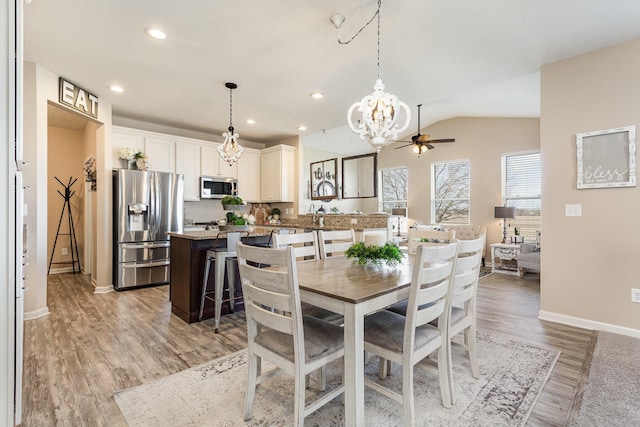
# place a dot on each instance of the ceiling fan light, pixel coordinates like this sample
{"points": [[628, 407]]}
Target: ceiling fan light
{"points": [[423, 148], [416, 149]]}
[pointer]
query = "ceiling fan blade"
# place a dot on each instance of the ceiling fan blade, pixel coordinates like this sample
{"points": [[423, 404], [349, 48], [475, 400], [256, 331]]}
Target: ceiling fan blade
{"points": [[429, 146], [405, 145], [440, 140]]}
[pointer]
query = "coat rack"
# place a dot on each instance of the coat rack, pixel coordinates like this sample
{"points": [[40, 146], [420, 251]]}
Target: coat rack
{"points": [[75, 258]]}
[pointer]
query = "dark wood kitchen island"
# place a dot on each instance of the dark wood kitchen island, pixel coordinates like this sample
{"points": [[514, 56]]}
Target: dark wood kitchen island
{"points": [[188, 254]]}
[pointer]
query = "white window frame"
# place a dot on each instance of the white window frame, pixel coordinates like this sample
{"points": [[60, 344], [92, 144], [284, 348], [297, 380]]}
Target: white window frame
{"points": [[402, 221], [433, 189], [530, 232]]}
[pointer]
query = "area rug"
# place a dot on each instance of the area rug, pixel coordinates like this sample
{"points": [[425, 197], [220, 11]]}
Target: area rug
{"points": [[610, 397], [513, 374], [484, 271]]}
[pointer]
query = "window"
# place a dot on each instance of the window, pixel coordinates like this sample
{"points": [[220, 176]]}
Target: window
{"points": [[394, 192], [521, 188], [450, 190]]}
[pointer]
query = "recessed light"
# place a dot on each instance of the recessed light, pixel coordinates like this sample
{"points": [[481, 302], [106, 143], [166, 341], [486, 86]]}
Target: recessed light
{"points": [[155, 33], [317, 95], [116, 88], [302, 127], [250, 122]]}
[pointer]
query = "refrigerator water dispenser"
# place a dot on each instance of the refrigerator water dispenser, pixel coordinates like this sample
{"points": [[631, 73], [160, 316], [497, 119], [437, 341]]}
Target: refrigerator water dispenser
{"points": [[138, 218]]}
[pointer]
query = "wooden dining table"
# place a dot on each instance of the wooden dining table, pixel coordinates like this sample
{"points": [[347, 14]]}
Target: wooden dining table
{"points": [[354, 291]]}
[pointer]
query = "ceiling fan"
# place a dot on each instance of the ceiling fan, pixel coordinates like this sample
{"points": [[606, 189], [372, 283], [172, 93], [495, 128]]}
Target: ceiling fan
{"points": [[422, 143]]}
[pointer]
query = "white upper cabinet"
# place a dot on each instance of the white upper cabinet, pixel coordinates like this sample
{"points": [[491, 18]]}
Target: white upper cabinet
{"points": [[277, 174], [213, 165], [249, 175], [188, 164], [123, 137], [160, 153]]}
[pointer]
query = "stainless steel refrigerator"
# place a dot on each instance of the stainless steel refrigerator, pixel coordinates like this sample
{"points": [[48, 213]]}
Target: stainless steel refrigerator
{"points": [[146, 205]]}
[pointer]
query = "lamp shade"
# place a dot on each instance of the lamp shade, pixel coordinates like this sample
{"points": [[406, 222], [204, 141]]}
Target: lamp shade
{"points": [[399, 211], [504, 212]]}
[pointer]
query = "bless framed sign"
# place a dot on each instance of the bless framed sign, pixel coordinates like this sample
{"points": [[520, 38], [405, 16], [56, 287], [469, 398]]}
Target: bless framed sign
{"points": [[607, 158]]}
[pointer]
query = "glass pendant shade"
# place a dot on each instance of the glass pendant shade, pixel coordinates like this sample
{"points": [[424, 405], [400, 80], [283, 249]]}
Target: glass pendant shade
{"points": [[230, 150], [378, 121]]}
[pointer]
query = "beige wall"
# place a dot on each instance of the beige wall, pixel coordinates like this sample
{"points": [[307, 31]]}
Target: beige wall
{"points": [[589, 263], [482, 140], [66, 156]]}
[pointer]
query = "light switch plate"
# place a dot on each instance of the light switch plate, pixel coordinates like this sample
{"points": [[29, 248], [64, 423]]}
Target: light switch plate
{"points": [[635, 295], [572, 210]]}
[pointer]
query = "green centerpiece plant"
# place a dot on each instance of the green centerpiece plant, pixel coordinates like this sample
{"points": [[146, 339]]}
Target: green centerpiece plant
{"points": [[373, 254]]}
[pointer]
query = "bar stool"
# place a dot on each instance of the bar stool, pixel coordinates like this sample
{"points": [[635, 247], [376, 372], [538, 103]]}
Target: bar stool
{"points": [[224, 259]]}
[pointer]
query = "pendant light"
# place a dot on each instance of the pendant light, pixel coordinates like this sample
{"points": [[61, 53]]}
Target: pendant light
{"points": [[378, 118], [230, 150]]}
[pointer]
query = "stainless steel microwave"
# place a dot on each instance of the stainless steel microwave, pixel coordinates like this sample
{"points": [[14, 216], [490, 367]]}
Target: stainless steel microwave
{"points": [[217, 187]]}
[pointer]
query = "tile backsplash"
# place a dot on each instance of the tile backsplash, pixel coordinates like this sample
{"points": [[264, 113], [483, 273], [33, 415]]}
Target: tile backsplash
{"points": [[204, 210]]}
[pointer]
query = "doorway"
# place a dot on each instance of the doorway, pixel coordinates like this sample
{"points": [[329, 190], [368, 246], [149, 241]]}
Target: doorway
{"points": [[71, 141]]}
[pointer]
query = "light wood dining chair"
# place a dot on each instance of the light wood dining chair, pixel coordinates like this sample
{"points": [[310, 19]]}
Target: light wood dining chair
{"points": [[305, 247], [278, 332], [305, 244], [463, 302], [463, 310], [408, 340], [414, 237], [335, 242]]}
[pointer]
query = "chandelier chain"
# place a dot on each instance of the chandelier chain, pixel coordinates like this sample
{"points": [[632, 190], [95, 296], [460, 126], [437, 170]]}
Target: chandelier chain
{"points": [[230, 107], [377, 14]]}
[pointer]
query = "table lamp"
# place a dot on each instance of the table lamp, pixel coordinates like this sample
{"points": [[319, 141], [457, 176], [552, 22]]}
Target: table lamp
{"points": [[399, 212], [504, 212]]}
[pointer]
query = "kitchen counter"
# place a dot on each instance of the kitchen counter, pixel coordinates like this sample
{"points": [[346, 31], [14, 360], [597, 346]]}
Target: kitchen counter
{"points": [[187, 260], [254, 231]]}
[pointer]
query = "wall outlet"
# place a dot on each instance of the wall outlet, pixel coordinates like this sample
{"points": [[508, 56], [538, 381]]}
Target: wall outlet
{"points": [[289, 211], [65, 251], [635, 295], [354, 220]]}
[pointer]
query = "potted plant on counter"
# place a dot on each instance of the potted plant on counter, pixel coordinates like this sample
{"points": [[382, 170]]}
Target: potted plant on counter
{"points": [[275, 213], [232, 203]]}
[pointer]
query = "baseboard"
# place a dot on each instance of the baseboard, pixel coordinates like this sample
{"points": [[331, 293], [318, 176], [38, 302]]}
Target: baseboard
{"points": [[63, 270], [101, 289], [587, 324], [31, 315]]}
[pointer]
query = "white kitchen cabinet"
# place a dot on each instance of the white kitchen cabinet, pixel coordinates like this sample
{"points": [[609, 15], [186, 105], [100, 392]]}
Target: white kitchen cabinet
{"points": [[123, 137], [188, 164], [249, 175], [160, 153], [277, 174], [213, 165]]}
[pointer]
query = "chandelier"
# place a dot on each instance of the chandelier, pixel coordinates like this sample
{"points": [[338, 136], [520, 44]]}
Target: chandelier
{"points": [[230, 150], [377, 119]]}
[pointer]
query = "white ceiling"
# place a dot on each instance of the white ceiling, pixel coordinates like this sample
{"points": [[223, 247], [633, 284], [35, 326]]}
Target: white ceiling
{"points": [[457, 57]]}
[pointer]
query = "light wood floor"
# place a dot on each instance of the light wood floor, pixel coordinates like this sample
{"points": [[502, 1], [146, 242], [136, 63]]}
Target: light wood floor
{"points": [[92, 345]]}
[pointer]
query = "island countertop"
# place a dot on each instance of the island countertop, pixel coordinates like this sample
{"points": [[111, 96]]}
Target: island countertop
{"points": [[254, 231]]}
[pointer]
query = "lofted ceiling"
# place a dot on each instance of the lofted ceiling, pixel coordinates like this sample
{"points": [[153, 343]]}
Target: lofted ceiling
{"points": [[456, 57]]}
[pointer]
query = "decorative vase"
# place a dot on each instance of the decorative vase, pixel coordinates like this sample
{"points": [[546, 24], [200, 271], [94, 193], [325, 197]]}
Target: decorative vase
{"points": [[131, 164]]}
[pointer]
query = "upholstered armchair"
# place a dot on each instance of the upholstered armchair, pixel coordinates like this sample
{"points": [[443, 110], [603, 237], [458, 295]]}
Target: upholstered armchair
{"points": [[470, 232], [529, 257]]}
